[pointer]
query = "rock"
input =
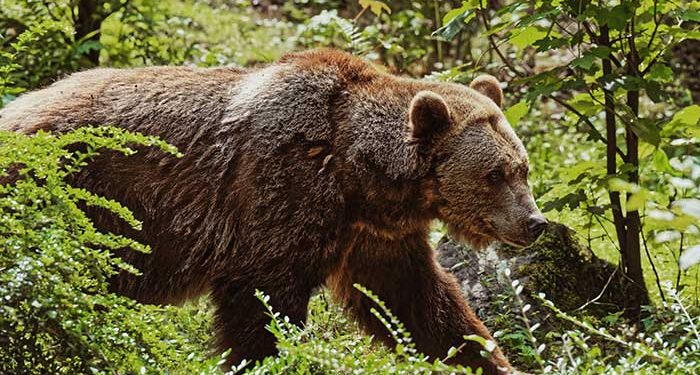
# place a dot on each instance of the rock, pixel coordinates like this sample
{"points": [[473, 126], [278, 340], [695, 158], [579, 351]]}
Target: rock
{"points": [[567, 272]]}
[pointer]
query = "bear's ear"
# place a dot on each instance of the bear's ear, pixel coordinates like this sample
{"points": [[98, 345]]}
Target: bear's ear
{"points": [[489, 86], [428, 115]]}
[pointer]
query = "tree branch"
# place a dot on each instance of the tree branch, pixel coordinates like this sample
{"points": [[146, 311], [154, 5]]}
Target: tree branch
{"points": [[597, 40], [492, 42], [656, 27], [588, 122]]}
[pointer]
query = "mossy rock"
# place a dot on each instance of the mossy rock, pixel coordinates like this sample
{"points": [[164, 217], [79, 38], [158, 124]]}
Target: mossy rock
{"points": [[566, 271]]}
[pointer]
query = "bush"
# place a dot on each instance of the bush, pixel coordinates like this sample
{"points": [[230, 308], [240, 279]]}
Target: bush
{"points": [[57, 315], [667, 342]]}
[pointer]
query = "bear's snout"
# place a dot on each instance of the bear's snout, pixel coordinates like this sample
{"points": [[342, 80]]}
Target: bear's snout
{"points": [[536, 224]]}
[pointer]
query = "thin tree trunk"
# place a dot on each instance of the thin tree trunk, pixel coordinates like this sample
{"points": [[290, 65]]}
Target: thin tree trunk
{"points": [[633, 249], [627, 228], [611, 157], [634, 225], [89, 19]]}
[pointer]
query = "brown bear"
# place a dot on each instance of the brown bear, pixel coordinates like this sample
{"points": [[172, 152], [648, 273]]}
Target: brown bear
{"points": [[316, 170]]}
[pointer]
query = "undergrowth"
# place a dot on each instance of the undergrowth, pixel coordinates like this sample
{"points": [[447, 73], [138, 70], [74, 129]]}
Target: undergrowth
{"points": [[58, 317]]}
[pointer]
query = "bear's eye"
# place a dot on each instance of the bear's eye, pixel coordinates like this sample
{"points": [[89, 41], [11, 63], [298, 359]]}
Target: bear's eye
{"points": [[495, 176]]}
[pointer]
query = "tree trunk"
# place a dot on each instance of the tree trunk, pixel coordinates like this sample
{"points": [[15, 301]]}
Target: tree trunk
{"points": [[627, 228], [633, 266], [89, 19]]}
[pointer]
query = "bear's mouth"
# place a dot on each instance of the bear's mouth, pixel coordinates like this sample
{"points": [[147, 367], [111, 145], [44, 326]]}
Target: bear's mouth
{"points": [[476, 232], [517, 244], [471, 236]]}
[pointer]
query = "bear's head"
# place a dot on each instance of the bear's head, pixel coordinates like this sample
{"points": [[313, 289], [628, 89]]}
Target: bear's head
{"points": [[481, 166]]}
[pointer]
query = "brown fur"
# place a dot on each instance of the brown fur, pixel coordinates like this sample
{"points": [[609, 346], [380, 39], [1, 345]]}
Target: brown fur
{"points": [[303, 173], [489, 86]]}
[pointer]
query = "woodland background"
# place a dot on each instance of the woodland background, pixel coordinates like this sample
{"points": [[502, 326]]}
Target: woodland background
{"points": [[604, 94]]}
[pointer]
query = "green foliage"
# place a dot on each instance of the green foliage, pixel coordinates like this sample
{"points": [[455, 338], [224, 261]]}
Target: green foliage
{"points": [[312, 350], [149, 32], [330, 344], [57, 314], [40, 41], [132, 33], [592, 62], [13, 78], [671, 345]]}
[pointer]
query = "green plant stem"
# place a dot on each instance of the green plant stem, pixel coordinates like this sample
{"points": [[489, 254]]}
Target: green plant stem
{"points": [[641, 348], [653, 266], [438, 44]]}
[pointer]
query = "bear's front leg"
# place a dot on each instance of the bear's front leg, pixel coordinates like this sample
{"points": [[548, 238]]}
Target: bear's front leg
{"points": [[425, 298], [241, 318]]}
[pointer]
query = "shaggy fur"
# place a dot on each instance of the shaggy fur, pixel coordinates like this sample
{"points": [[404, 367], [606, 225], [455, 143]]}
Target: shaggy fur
{"points": [[315, 170]]}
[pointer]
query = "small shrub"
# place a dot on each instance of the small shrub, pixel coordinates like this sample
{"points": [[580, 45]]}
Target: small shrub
{"points": [[57, 315]]}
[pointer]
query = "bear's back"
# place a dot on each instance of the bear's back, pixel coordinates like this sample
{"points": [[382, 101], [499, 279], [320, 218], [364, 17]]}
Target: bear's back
{"points": [[142, 99]]}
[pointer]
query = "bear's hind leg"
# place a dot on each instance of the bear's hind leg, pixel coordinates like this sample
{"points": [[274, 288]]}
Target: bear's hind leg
{"points": [[162, 281]]}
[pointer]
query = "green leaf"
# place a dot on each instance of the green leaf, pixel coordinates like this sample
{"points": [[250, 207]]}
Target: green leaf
{"points": [[516, 112], [375, 6], [584, 104], [620, 185], [457, 12], [527, 37], [647, 131], [662, 73], [87, 46], [454, 20], [637, 200], [617, 17], [601, 51], [585, 62], [549, 43], [690, 15], [655, 91], [689, 116], [683, 122], [660, 161]]}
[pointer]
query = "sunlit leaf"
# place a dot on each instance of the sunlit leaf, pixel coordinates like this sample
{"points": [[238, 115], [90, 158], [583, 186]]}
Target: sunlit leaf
{"points": [[375, 6], [637, 200], [689, 115], [620, 185], [690, 15], [527, 37], [660, 161], [689, 257], [516, 112], [585, 62], [454, 20], [690, 206]]}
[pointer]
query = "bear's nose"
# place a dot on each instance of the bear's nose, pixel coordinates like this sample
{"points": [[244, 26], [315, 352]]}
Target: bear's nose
{"points": [[536, 225]]}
